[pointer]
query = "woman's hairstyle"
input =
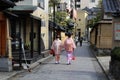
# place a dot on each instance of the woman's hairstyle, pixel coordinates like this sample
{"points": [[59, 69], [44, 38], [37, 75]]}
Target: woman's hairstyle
{"points": [[69, 35], [57, 36]]}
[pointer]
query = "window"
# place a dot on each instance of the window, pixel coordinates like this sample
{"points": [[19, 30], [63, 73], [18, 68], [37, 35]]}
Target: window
{"points": [[41, 4], [78, 0], [71, 1], [61, 7], [92, 1], [43, 23], [117, 31], [78, 6]]}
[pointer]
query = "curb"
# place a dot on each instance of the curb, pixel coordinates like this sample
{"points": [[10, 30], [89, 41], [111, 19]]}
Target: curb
{"points": [[32, 66], [101, 65], [107, 73]]}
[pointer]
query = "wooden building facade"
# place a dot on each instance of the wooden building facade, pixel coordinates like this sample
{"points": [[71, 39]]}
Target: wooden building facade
{"points": [[5, 39], [106, 33], [3, 34], [102, 34]]}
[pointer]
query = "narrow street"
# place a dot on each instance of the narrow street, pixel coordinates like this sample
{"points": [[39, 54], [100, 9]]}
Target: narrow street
{"points": [[85, 67]]}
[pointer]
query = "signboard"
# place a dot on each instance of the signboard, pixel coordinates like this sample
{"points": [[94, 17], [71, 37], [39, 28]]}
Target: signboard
{"points": [[117, 31]]}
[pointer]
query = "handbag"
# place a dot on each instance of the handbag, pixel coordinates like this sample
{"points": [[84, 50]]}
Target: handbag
{"points": [[73, 57], [52, 52]]}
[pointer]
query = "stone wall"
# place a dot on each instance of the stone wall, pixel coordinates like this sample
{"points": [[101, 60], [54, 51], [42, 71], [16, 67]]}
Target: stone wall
{"points": [[5, 64]]}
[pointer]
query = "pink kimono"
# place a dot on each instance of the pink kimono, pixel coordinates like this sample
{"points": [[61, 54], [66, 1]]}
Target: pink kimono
{"points": [[56, 46], [69, 47]]}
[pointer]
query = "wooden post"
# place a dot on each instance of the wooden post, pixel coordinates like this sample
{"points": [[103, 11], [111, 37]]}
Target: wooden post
{"points": [[31, 37], [9, 42]]}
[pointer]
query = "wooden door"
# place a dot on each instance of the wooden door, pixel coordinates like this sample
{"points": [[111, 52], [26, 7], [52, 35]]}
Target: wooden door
{"points": [[2, 38]]}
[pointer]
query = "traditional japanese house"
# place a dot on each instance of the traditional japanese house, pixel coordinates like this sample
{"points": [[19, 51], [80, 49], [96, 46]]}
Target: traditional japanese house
{"points": [[30, 30], [107, 31], [5, 39], [25, 26]]}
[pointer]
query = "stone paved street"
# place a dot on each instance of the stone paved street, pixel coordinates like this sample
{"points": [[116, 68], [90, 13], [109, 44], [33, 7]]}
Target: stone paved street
{"points": [[85, 67]]}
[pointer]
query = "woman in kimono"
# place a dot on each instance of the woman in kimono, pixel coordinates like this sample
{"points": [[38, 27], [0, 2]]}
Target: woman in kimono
{"points": [[69, 46], [56, 46]]}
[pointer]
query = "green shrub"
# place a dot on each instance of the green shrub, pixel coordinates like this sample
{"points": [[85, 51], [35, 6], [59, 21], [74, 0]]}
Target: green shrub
{"points": [[115, 54]]}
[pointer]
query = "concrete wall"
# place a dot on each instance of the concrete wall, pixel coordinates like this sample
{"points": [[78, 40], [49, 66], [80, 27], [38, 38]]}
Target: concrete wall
{"points": [[88, 3], [5, 64], [68, 3], [81, 21], [44, 29]]}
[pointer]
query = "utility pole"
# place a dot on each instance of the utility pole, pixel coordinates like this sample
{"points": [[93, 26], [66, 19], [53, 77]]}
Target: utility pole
{"points": [[54, 20]]}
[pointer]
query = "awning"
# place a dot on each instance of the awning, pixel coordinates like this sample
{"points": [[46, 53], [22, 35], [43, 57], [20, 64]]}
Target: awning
{"points": [[55, 26], [52, 25], [61, 28], [16, 0], [23, 9], [10, 14]]}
